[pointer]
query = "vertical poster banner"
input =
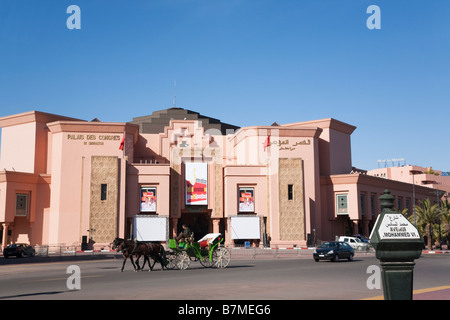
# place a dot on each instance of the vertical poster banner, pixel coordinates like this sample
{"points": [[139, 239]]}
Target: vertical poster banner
{"points": [[196, 178], [148, 199], [246, 200]]}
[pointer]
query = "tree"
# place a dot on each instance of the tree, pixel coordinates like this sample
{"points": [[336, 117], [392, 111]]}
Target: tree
{"points": [[427, 215], [445, 218]]}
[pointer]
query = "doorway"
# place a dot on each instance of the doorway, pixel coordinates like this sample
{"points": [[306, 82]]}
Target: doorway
{"points": [[198, 222]]}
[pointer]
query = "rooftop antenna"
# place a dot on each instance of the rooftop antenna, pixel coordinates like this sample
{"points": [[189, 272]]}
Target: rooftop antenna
{"points": [[400, 162], [382, 161]]}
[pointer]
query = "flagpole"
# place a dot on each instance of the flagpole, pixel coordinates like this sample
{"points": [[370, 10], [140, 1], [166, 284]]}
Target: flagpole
{"points": [[124, 145], [122, 183]]}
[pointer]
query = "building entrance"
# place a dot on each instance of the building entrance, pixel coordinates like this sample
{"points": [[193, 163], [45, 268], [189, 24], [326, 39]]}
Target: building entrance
{"points": [[198, 222]]}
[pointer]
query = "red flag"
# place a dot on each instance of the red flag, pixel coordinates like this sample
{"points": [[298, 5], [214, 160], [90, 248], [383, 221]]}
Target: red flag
{"points": [[122, 143], [267, 142]]}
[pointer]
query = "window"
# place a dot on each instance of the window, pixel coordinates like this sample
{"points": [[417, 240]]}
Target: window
{"points": [[103, 191], [21, 205], [290, 192], [341, 204], [372, 204], [362, 197]]}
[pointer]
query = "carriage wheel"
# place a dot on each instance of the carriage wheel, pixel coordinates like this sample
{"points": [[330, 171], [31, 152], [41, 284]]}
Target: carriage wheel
{"points": [[182, 261], [171, 261], [204, 261], [221, 257]]}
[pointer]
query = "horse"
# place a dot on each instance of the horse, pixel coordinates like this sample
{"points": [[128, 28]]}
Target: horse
{"points": [[126, 247], [130, 247], [153, 250]]}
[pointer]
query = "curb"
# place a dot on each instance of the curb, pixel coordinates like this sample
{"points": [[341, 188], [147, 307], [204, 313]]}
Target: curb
{"points": [[435, 251], [92, 251], [289, 248]]}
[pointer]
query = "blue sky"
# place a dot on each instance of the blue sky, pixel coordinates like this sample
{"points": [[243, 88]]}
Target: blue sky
{"points": [[245, 62]]}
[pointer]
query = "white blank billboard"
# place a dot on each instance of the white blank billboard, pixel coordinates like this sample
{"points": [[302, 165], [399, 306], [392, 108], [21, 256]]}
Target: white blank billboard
{"points": [[245, 227], [150, 228]]}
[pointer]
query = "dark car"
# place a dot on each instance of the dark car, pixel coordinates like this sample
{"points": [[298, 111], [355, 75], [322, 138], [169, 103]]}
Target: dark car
{"points": [[333, 250], [362, 238], [19, 250]]}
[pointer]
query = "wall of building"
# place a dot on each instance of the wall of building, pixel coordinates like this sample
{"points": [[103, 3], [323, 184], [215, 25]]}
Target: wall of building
{"points": [[416, 175], [62, 163], [361, 216], [104, 199], [19, 139], [291, 202], [74, 144]]}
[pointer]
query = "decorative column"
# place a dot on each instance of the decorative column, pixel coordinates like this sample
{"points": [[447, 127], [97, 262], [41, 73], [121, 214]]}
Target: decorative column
{"points": [[174, 227], [30, 232], [365, 227], [216, 223], [355, 226], [229, 242], [5, 234]]}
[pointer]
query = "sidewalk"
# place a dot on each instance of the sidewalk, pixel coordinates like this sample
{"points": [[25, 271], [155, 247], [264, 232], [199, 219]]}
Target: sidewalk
{"points": [[435, 251], [280, 253], [237, 252], [435, 293]]}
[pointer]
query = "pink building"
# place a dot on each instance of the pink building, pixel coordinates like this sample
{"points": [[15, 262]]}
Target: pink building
{"points": [[433, 179], [67, 181]]}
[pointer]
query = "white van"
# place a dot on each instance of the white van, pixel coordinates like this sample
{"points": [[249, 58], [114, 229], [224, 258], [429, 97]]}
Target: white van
{"points": [[356, 243]]}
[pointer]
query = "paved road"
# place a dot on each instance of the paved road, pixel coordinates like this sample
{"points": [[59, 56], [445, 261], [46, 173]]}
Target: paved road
{"points": [[251, 279]]}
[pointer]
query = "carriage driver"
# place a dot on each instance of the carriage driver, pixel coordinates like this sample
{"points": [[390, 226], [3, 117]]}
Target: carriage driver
{"points": [[184, 234]]}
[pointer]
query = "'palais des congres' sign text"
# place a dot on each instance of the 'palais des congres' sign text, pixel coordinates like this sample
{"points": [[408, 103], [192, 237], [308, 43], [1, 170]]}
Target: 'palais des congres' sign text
{"points": [[91, 138]]}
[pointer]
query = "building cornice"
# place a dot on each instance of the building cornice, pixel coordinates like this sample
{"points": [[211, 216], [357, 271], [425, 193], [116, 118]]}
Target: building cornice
{"points": [[364, 179], [328, 123], [32, 116], [24, 177]]}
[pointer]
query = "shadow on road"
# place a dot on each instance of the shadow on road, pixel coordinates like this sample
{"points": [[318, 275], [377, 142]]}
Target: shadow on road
{"points": [[36, 294]]}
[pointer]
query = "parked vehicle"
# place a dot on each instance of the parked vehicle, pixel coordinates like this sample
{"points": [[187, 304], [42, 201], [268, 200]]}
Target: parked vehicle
{"points": [[333, 250], [361, 237], [354, 242], [19, 250]]}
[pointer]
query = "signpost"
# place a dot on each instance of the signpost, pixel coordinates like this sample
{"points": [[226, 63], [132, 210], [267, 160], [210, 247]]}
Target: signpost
{"points": [[397, 244], [396, 226]]}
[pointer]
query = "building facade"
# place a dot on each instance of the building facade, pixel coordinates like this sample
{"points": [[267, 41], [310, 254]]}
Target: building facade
{"points": [[70, 181], [417, 175]]}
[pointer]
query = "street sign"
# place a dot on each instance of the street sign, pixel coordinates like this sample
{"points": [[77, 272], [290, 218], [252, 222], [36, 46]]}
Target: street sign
{"points": [[396, 226]]}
